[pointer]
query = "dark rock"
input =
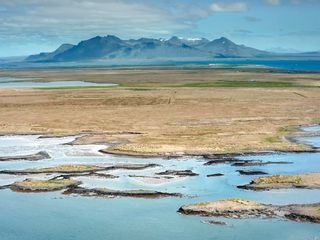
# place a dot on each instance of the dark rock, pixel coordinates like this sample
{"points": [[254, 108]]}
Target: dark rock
{"points": [[215, 175], [251, 172], [220, 160], [181, 173], [104, 192], [256, 163], [90, 174], [32, 157], [302, 218], [132, 166], [4, 187]]}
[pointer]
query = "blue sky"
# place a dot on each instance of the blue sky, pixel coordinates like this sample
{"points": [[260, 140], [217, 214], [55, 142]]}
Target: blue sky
{"points": [[32, 26]]}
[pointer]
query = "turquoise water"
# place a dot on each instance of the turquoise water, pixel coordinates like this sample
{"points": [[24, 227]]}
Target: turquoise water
{"points": [[54, 216], [12, 79], [23, 83], [47, 216], [315, 128], [305, 64]]}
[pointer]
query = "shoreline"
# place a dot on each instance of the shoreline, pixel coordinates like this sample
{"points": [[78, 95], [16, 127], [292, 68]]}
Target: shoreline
{"points": [[298, 132]]}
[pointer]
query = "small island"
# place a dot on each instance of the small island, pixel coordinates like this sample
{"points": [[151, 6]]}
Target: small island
{"points": [[78, 168], [105, 192], [309, 181], [31, 185], [32, 157], [239, 209]]}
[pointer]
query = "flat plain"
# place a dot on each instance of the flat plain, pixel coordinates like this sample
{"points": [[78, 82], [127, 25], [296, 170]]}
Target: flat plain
{"points": [[167, 110]]}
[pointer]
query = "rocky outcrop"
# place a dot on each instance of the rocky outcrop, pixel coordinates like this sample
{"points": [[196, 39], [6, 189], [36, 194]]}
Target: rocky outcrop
{"points": [[215, 175], [31, 185], [230, 208], [238, 208], [105, 192], [256, 163], [78, 168], [309, 181], [70, 169], [90, 174], [32, 157], [231, 159], [214, 160], [133, 166], [251, 172], [180, 173]]}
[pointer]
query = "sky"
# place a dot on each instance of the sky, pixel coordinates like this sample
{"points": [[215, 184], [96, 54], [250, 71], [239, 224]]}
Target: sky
{"points": [[33, 26]]}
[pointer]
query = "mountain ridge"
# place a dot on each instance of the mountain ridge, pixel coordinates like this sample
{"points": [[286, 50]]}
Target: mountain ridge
{"points": [[112, 47]]}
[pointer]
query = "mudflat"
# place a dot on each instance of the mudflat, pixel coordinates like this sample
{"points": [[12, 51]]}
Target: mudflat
{"points": [[169, 111]]}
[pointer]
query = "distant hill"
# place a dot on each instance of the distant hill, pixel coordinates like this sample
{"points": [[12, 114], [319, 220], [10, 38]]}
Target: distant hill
{"points": [[112, 47], [49, 56], [225, 48]]}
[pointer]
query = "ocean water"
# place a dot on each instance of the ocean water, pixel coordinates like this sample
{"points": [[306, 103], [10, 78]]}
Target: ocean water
{"points": [[33, 216], [298, 65]]}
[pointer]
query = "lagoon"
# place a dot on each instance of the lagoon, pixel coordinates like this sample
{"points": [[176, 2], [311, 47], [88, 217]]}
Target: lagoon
{"points": [[56, 216], [27, 83]]}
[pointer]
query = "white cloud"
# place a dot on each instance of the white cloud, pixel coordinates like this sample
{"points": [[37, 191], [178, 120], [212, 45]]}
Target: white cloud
{"points": [[34, 23], [274, 2], [79, 19], [229, 7]]}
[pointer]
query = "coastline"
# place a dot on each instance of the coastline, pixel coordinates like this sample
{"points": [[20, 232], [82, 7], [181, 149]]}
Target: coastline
{"points": [[298, 132]]}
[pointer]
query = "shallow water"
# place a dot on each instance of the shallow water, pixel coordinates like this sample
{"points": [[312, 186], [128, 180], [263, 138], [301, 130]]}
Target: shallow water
{"points": [[14, 79], [305, 65], [57, 84], [55, 216], [314, 128]]}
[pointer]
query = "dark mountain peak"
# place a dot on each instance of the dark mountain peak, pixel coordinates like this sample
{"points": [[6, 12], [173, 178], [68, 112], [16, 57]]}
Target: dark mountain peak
{"points": [[99, 41], [90, 40], [49, 55], [64, 47], [200, 40], [94, 38], [223, 40], [106, 38], [112, 38], [174, 40], [146, 40]]}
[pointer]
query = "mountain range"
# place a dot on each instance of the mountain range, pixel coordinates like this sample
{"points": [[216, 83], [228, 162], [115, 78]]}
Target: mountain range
{"points": [[112, 47]]}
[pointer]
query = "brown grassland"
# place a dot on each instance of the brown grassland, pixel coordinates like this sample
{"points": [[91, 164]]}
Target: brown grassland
{"points": [[167, 111]]}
